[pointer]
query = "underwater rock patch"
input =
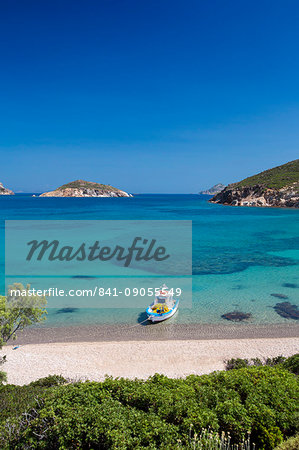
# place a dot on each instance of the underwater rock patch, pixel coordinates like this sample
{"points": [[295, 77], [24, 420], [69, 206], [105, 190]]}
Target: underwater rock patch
{"points": [[236, 316], [83, 276], [279, 296], [66, 310], [234, 262], [287, 310], [290, 285]]}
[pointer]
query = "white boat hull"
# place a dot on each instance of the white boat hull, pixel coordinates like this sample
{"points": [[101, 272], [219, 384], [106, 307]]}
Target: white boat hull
{"points": [[156, 317]]}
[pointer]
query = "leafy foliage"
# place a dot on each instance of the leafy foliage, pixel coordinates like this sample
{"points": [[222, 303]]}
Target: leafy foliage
{"points": [[15, 400], [51, 380], [237, 363], [2, 374], [18, 312], [291, 363], [157, 413]]}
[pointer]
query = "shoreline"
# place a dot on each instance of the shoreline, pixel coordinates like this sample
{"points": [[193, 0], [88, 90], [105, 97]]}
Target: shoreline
{"points": [[154, 332], [79, 361]]}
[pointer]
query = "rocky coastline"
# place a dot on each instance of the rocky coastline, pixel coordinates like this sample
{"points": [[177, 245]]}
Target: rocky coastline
{"points": [[258, 195], [81, 188], [5, 191], [276, 187]]}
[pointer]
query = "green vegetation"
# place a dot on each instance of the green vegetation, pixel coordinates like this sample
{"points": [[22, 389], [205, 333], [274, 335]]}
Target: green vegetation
{"points": [[215, 411], [18, 312], [2, 374], [275, 178], [291, 363], [81, 184]]}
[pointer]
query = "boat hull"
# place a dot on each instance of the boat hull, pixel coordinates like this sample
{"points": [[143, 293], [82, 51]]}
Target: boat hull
{"points": [[157, 317]]}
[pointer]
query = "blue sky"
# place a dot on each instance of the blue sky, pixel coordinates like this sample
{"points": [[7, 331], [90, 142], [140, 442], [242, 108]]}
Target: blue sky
{"points": [[148, 96]]}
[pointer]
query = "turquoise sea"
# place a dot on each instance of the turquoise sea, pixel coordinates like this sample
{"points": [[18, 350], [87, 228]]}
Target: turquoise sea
{"points": [[240, 255]]}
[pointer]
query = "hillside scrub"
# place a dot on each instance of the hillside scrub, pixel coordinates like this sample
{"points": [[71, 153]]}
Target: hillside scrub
{"points": [[276, 178]]}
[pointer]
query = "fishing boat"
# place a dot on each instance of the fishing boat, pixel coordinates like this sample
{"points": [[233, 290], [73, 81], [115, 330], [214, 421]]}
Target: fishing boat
{"points": [[163, 307]]}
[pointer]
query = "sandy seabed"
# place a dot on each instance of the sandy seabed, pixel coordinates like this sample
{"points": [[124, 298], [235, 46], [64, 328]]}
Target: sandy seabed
{"points": [[174, 358]]}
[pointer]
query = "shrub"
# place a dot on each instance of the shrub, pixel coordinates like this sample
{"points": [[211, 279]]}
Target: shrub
{"points": [[2, 377], [292, 364], [236, 363], [85, 415], [156, 413], [15, 400], [2, 374], [274, 361], [267, 438], [51, 380]]}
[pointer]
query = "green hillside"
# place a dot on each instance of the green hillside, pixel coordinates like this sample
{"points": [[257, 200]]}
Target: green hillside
{"points": [[81, 184], [276, 178]]}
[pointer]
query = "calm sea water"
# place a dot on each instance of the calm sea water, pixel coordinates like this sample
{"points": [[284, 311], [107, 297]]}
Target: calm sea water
{"points": [[240, 255]]}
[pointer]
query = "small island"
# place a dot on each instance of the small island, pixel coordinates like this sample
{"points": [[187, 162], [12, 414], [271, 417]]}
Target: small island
{"points": [[213, 190], [81, 188], [277, 187], [5, 191]]}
